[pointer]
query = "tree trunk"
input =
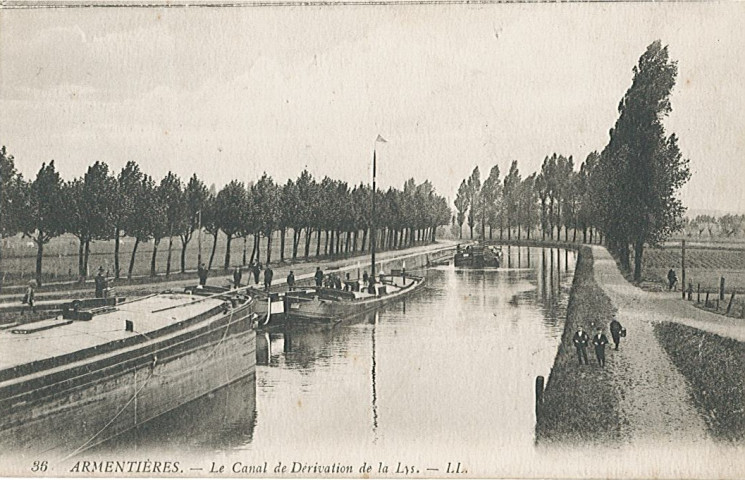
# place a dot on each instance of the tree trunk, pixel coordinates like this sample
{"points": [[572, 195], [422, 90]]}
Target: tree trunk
{"points": [[81, 272], [308, 238], [257, 238], [117, 235], [295, 242], [132, 259], [87, 255], [269, 248], [624, 254], [364, 239], [318, 243], [282, 232], [214, 247], [326, 245], [39, 255], [245, 248], [229, 240], [183, 256], [168, 259], [638, 257], [152, 260]]}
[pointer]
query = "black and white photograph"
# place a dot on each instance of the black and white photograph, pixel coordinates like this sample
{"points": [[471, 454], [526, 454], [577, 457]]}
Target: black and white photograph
{"points": [[390, 239]]}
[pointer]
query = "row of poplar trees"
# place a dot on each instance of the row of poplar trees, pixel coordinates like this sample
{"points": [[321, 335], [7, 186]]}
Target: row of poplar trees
{"points": [[627, 193], [104, 206]]}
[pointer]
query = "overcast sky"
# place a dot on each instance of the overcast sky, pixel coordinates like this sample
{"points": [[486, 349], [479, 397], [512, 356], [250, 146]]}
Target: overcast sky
{"points": [[230, 93]]}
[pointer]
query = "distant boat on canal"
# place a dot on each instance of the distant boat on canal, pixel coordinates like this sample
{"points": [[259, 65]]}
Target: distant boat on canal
{"points": [[73, 382], [478, 256]]}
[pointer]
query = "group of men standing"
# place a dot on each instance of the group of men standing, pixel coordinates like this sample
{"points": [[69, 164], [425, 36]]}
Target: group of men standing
{"points": [[582, 340]]}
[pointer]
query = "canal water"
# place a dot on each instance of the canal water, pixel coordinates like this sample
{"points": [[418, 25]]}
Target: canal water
{"points": [[447, 375]]}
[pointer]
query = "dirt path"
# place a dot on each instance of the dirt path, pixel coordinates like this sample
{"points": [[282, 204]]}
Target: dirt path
{"points": [[656, 402]]}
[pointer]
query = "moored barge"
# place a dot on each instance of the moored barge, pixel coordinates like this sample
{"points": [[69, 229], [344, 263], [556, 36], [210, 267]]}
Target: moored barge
{"points": [[70, 383]]}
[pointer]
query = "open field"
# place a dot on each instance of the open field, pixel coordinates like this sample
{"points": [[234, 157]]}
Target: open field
{"points": [[60, 261], [705, 266]]}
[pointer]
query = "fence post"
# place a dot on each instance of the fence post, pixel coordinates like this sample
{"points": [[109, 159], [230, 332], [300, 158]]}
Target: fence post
{"points": [[706, 302], [721, 288], [729, 305], [698, 293]]}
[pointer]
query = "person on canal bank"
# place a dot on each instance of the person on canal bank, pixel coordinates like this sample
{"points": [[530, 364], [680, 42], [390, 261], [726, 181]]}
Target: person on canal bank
{"points": [[202, 273], [28, 297], [365, 278], [318, 277], [616, 331], [581, 340], [672, 279], [237, 277], [291, 280], [100, 282], [256, 269], [268, 275], [600, 341]]}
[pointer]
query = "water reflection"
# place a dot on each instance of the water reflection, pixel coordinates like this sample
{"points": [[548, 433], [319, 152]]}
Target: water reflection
{"points": [[455, 365]]}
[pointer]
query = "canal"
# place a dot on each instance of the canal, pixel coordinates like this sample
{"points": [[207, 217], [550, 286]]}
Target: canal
{"points": [[445, 376]]}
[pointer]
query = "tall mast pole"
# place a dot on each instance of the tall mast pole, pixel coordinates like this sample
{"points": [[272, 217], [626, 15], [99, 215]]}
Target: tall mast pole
{"points": [[199, 238], [372, 224]]}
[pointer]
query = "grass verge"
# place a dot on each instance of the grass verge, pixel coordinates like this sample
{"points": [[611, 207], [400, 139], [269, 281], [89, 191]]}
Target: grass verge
{"points": [[581, 404], [714, 367]]}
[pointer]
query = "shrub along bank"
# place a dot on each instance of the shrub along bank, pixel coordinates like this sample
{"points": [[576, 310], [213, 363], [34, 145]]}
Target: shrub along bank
{"points": [[714, 367], [581, 405]]}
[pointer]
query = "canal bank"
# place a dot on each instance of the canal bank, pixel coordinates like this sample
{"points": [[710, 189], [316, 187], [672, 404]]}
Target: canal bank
{"points": [[675, 381], [580, 402], [414, 258]]}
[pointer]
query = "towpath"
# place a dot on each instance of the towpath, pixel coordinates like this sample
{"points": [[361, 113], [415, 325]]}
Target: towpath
{"points": [[656, 401], [304, 271]]}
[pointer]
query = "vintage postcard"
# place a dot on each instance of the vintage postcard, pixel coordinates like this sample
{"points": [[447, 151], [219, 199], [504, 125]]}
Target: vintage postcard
{"points": [[372, 239]]}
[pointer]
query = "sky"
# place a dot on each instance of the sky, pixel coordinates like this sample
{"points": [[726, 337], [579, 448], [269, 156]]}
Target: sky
{"points": [[230, 93]]}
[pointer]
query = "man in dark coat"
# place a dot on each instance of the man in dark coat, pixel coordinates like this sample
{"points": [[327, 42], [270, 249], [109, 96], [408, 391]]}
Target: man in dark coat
{"points": [[268, 275], [318, 276], [291, 280], [581, 340], [237, 276], [256, 271], [615, 331], [600, 341], [672, 279], [202, 273], [100, 283]]}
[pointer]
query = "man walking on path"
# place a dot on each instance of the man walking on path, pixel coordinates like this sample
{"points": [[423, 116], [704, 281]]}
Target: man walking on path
{"points": [[268, 275], [672, 279], [202, 273], [600, 341], [291, 280], [318, 276], [616, 331], [581, 339], [28, 298]]}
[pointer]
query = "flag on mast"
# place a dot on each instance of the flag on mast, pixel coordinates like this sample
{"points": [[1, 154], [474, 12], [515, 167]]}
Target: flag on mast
{"points": [[380, 139]]}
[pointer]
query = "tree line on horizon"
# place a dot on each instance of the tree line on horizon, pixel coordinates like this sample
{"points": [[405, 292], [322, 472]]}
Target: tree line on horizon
{"points": [[103, 206], [627, 193]]}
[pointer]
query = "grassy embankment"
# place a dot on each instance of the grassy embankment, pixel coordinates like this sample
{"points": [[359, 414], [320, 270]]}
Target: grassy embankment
{"points": [[705, 265], [580, 402], [714, 367]]}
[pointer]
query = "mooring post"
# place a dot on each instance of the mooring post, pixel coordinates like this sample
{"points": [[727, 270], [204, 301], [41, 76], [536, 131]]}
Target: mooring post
{"points": [[698, 293], [538, 392], [721, 288], [706, 302], [729, 305]]}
